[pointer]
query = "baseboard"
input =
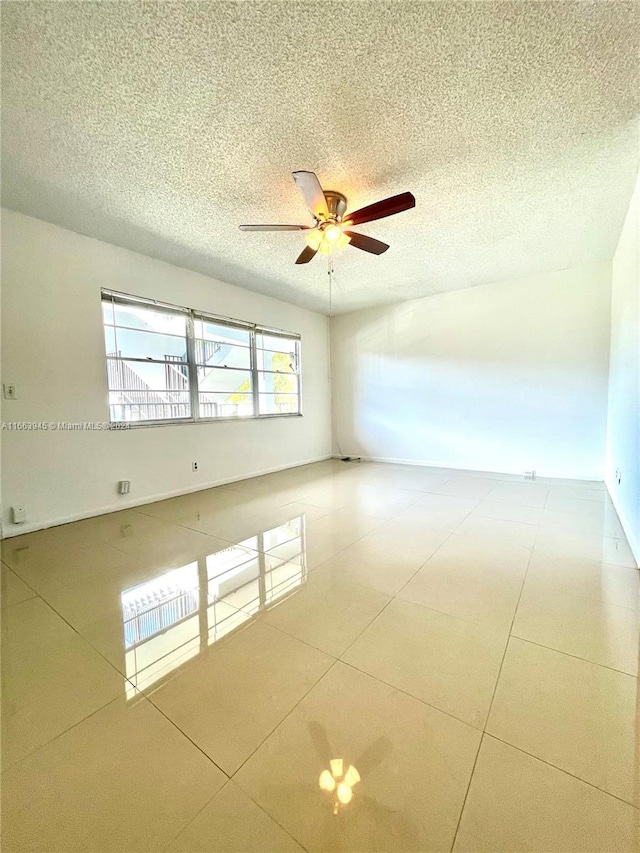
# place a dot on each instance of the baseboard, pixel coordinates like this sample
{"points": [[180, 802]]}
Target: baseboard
{"points": [[134, 502], [565, 475], [632, 539]]}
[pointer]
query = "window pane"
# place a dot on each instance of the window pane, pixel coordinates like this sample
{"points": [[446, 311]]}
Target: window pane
{"points": [[222, 379], [278, 362], [148, 405], [219, 332], [276, 342], [150, 320], [217, 354], [226, 405], [277, 383], [107, 312], [278, 404], [155, 387], [150, 345], [147, 376], [110, 340]]}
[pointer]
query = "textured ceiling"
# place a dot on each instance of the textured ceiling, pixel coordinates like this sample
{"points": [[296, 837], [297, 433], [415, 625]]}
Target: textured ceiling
{"points": [[161, 126]]}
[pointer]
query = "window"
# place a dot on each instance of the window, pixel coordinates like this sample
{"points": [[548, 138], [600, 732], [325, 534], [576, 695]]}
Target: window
{"points": [[167, 364], [277, 368]]}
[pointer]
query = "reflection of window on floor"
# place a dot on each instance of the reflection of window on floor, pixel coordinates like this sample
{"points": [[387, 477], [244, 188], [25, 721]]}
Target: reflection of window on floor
{"points": [[252, 583], [151, 607], [171, 618]]}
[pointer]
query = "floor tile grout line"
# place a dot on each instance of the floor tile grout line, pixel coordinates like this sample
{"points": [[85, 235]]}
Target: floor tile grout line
{"points": [[562, 770], [198, 813], [484, 626], [26, 583], [373, 620], [513, 619], [451, 533], [70, 728], [147, 698], [307, 642], [6, 607], [270, 816], [117, 698], [574, 656], [285, 717], [228, 781], [393, 598], [409, 695], [93, 649], [497, 681], [466, 793]]}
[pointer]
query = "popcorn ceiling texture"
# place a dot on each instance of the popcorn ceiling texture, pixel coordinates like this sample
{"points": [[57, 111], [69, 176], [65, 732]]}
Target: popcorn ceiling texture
{"points": [[162, 126]]}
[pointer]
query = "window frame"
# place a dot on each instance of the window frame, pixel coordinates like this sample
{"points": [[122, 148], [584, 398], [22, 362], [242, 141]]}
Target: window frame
{"points": [[191, 317]]}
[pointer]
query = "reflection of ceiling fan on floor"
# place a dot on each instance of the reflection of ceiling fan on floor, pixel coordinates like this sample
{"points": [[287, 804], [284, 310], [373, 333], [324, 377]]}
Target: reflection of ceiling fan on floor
{"points": [[329, 230]]}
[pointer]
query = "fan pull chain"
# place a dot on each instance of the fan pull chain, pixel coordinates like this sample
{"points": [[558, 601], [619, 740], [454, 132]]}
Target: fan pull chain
{"points": [[331, 274]]}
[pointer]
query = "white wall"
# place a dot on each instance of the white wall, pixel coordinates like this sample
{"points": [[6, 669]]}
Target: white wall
{"points": [[508, 377], [623, 427], [53, 350]]}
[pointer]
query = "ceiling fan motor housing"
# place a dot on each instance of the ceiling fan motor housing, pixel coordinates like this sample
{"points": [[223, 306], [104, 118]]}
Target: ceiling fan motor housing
{"points": [[336, 203]]}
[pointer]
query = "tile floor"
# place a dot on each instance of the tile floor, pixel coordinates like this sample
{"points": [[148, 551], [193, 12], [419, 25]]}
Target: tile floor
{"points": [[177, 676]]}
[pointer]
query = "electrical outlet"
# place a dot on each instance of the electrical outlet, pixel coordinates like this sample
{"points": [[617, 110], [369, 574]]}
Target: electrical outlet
{"points": [[194, 466], [18, 514], [10, 391], [124, 487], [618, 476]]}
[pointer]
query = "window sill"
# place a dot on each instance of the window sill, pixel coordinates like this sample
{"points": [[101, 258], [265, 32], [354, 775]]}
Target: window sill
{"points": [[125, 426]]}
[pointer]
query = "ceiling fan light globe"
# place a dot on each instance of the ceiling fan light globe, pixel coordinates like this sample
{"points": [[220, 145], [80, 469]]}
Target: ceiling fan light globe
{"points": [[313, 239], [332, 233], [343, 241], [344, 793], [326, 781], [351, 777]]}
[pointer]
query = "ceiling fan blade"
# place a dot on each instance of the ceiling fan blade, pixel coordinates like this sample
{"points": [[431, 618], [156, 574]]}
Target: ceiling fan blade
{"points": [[386, 207], [306, 255], [274, 227], [309, 186], [367, 244]]}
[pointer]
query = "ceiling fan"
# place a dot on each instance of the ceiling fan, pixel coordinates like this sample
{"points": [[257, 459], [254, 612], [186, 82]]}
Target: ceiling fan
{"points": [[330, 228]]}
